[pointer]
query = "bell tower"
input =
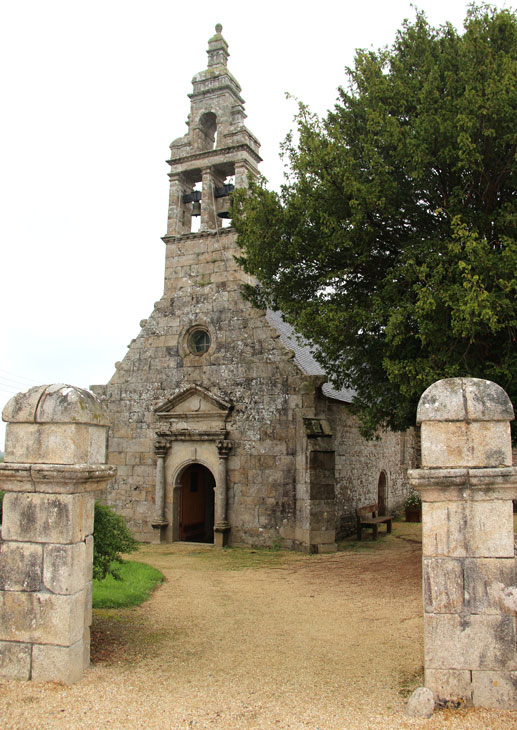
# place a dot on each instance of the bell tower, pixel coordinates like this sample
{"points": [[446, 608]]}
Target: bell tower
{"points": [[218, 151]]}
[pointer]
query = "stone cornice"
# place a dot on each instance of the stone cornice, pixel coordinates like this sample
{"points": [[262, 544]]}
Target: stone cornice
{"points": [[170, 238], [478, 484], [217, 152], [55, 478], [211, 86], [165, 440]]}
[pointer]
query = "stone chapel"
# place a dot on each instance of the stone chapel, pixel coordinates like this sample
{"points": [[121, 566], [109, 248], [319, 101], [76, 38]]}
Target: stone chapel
{"points": [[222, 426]]}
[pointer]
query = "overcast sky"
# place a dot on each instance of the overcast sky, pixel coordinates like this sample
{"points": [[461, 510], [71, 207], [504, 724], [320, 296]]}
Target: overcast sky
{"points": [[92, 94]]}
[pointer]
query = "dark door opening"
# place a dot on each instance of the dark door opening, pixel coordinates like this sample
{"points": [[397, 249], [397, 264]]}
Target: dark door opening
{"points": [[197, 505], [381, 493]]}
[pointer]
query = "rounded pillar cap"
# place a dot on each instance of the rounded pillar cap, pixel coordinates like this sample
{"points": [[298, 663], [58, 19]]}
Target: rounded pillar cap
{"points": [[464, 399], [57, 403]]}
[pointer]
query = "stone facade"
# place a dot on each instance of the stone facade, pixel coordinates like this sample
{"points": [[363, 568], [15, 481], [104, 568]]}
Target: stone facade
{"points": [[467, 484], [54, 462], [215, 396]]}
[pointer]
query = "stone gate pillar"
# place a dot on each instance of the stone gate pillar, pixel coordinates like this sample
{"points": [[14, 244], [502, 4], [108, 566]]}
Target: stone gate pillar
{"points": [[467, 484], [55, 452]]}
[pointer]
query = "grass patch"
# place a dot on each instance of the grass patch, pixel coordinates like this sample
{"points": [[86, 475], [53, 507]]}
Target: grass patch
{"points": [[234, 558], [138, 580], [402, 532]]}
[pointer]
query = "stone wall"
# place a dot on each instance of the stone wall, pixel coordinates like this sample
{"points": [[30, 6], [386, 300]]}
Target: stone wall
{"points": [[268, 468], [246, 365], [359, 464]]}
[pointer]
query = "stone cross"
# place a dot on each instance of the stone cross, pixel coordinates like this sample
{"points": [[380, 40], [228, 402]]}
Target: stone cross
{"points": [[467, 484], [55, 453]]}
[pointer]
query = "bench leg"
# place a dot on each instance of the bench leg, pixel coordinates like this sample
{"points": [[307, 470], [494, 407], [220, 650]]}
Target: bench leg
{"points": [[375, 532], [359, 532], [388, 527]]}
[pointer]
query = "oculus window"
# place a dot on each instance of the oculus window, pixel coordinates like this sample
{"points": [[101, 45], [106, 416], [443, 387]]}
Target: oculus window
{"points": [[198, 341]]}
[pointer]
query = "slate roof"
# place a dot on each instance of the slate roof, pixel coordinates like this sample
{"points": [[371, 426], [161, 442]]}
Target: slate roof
{"points": [[303, 356]]}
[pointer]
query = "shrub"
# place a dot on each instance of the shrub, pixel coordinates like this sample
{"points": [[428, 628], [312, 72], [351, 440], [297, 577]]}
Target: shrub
{"points": [[111, 537]]}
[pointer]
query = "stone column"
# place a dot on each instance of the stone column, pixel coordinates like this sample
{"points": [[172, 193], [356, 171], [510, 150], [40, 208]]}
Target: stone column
{"points": [[242, 170], [208, 209], [467, 484], [159, 523], [221, 528], [178, 218], [55, 454]]}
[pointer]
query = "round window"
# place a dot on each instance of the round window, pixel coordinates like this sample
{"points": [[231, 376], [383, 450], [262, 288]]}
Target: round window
{"points": [[198, 342]]}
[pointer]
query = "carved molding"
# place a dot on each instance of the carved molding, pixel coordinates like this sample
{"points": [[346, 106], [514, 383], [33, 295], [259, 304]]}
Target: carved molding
{"points": [[192, 414]]}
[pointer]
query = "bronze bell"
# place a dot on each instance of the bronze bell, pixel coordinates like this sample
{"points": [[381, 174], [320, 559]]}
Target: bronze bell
{"points": [[223, 201], [225, 211], [196, 208]]}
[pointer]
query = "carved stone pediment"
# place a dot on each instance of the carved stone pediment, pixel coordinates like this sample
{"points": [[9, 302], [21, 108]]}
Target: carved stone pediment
{"points": [[194, 410]]}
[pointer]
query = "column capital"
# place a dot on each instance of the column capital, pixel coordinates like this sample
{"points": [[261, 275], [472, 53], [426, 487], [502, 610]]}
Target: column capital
{"points": [[224, 446], [160, 449], [162, 440]]}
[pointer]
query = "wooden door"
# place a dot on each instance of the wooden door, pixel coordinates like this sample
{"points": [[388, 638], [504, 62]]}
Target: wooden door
{"points": [[197, 505]]}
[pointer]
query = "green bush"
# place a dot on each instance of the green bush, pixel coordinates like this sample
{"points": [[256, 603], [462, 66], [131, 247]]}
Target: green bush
{"points": [[111, 537]]}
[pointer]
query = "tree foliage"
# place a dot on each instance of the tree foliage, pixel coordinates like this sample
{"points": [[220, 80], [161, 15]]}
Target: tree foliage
{"points": [[111, 537], [392, 245]]}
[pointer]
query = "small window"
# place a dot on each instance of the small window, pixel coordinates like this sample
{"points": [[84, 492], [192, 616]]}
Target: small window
{"points": [[198, 342]]}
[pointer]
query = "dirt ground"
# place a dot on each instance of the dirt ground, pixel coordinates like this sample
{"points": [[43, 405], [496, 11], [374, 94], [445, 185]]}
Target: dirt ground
{"points": [[256, 639]]}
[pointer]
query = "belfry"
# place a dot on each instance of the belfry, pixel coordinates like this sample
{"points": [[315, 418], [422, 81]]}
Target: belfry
{"points": [[217, 147], [222, 425]]}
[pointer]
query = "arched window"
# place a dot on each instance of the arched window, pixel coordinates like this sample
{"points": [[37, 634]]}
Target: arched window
{"points": [[382, 493]]}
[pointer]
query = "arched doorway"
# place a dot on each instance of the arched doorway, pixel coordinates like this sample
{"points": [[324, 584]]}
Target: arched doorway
{"points": [[381, 493], [196, 508]]}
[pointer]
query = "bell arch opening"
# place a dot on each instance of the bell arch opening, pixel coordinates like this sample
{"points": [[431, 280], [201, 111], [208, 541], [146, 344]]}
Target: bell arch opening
{"points": [[208, 128], [196, 504]]}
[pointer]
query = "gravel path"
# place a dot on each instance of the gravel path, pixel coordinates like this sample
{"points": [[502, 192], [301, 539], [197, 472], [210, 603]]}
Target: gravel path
{"points": [[249, 640]]}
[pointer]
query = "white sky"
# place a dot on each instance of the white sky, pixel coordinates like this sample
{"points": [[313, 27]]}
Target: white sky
{"points": [[92, 94]]}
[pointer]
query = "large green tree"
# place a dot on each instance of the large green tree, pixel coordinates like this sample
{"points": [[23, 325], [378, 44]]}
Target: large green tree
{"points": [[392, 245]]}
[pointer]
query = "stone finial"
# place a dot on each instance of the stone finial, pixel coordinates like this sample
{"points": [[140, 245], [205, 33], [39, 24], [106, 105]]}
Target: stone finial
{"points": [[55, 424], [217, 49], [465, 423], [55, 404], [464, 399]]}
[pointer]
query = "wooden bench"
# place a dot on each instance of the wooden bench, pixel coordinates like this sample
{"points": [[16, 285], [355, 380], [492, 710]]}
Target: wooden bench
{"points": [[369, 517]]}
